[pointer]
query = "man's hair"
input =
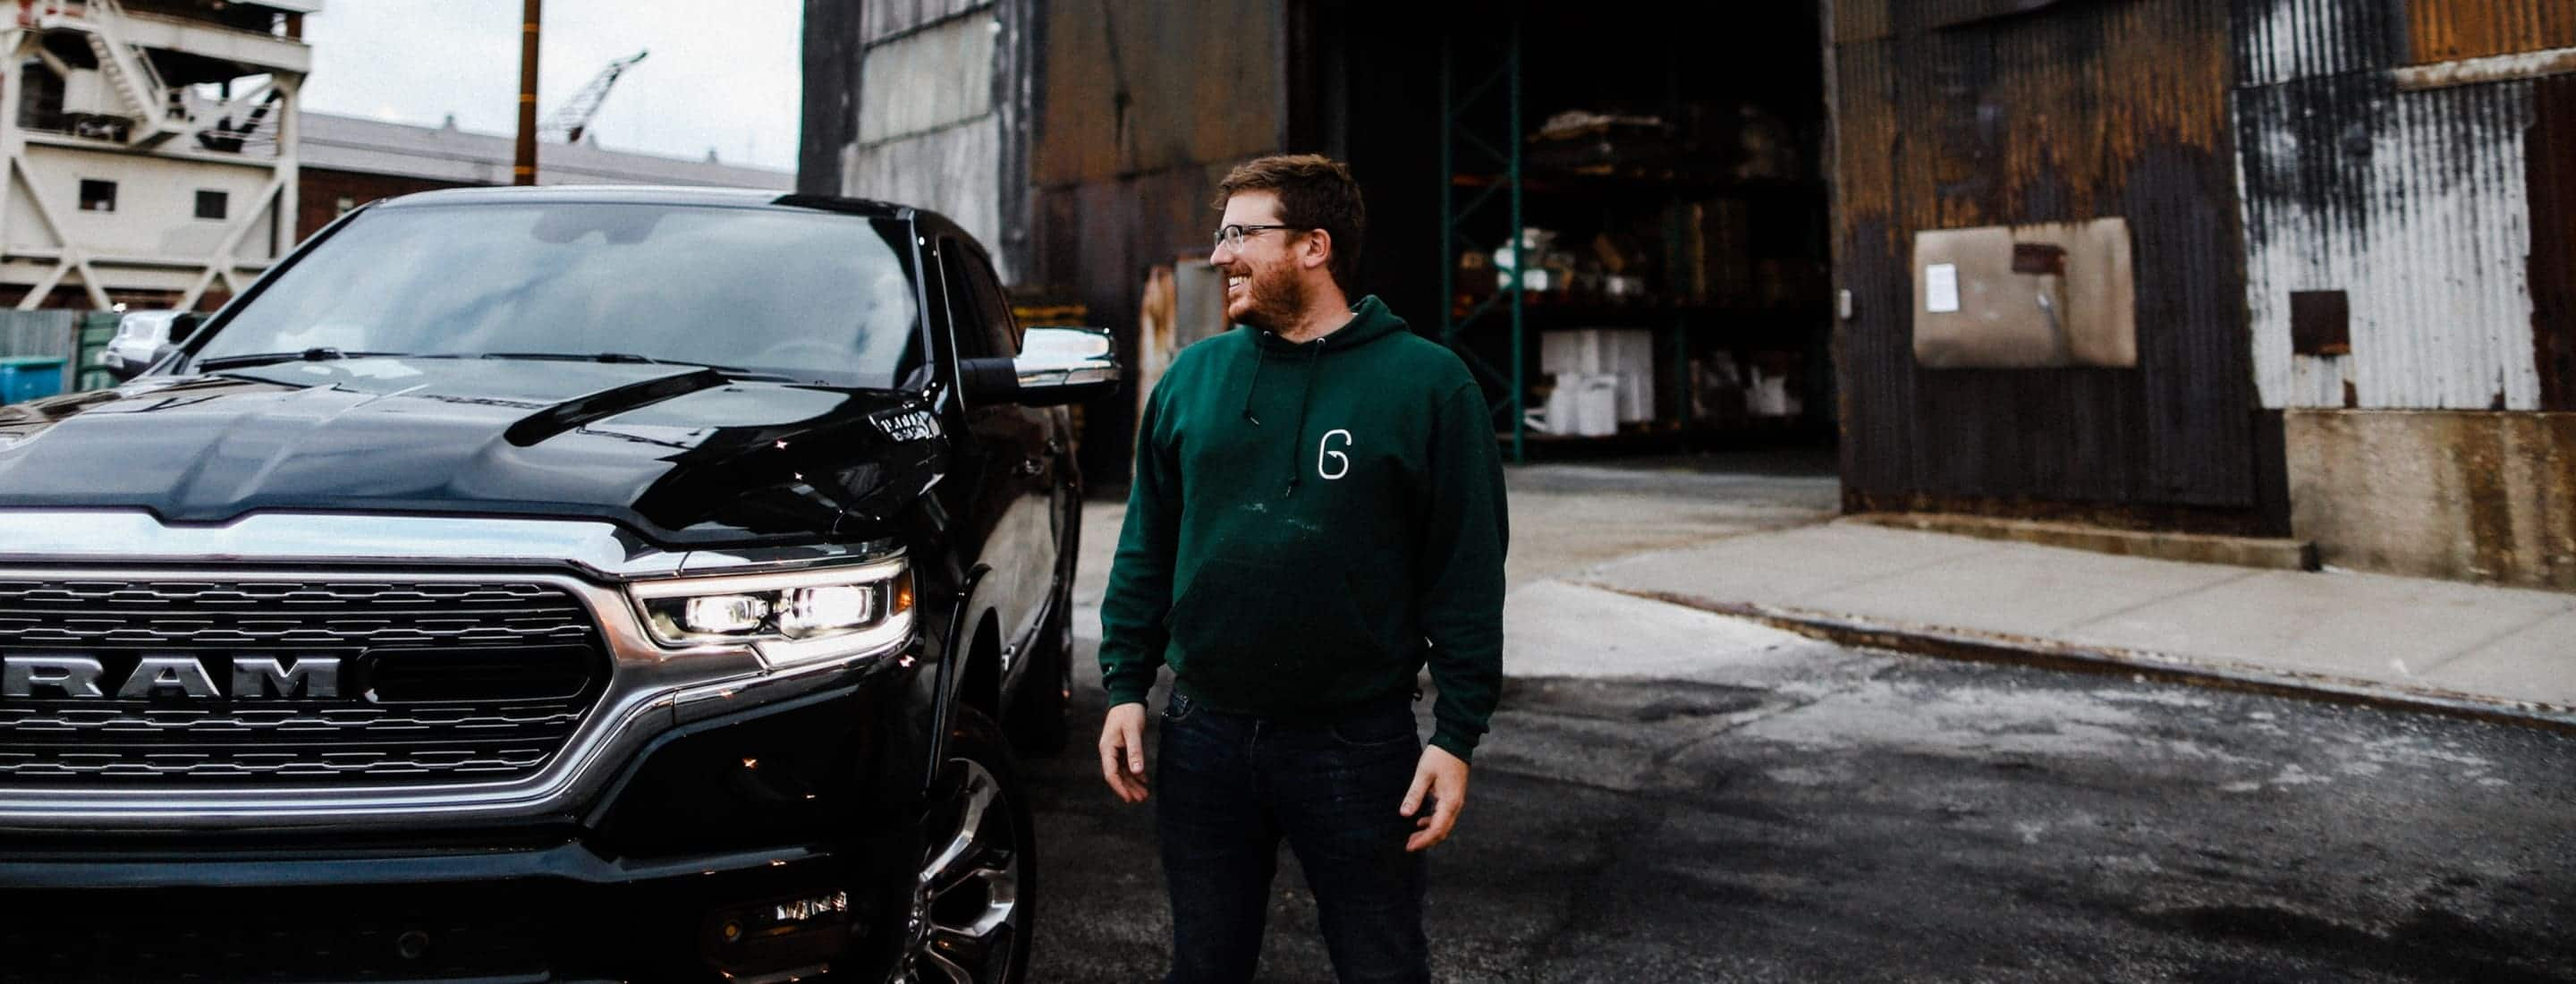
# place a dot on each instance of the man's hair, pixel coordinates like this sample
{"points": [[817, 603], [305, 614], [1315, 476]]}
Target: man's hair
{"points": [[1315, 192]]}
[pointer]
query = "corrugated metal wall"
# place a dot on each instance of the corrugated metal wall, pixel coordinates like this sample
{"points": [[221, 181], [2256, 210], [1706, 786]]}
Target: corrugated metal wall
{"points": [[1140, 111], [1966, 113], [940, 114], [2431, 210], [882, 19], [2550, 165], [1136, 88]]}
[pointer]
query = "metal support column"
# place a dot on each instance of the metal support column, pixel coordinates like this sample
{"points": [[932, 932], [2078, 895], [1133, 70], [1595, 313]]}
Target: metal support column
{"points": [[1456, 128]]}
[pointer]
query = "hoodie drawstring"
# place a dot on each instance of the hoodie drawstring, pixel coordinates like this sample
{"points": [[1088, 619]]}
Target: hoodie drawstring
{"points": [[1305, 398], [1257, 360]]}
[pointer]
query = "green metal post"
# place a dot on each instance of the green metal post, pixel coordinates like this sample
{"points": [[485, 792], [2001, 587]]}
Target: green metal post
{"points": [[1520, 386], [1448, 216], [1681, 378], [1453, 128]]}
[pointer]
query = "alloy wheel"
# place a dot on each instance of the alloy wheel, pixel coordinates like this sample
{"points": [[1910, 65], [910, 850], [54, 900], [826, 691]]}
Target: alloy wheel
{"points": [[964, 923]]}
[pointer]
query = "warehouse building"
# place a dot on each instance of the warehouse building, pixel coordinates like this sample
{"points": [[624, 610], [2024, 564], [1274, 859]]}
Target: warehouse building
{"points": [[149, 147], [2294, 270]]}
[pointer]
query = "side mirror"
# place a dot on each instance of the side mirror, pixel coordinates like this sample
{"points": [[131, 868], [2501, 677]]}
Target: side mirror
{"points": [[1060, 365], [117, 368], [1056, 366], [185, 325]]}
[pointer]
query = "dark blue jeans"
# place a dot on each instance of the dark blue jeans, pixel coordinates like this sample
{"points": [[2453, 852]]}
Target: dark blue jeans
{"points": [[1233, 787]]}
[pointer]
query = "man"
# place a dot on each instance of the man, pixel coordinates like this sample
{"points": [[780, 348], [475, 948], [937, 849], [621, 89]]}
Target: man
{"points": [[1317, 513]]}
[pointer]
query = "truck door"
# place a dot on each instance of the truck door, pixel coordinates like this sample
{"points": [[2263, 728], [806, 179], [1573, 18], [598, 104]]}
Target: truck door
{"points": [[1007, 464]]}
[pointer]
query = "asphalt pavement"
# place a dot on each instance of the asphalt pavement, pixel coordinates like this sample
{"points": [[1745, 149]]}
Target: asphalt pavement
{"points": [[1675, 795]]}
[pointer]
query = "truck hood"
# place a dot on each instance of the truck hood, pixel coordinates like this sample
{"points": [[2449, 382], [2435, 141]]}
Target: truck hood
{"points": [[683, 456]]}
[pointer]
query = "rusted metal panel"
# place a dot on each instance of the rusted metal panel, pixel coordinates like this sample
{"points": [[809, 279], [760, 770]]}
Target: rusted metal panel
{"points": [[1959, 13], [1856, 21], [1095, 242], [1138, 110], [2416, 205], [2549, 167], [882, 19], [2070, 113], [1134, 88], [1866, 135], [2320, 322], [2284, 40], [2448, 30]]}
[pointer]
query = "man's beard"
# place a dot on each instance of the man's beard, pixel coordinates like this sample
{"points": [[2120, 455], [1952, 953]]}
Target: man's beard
{"points": [[1274, 300]]}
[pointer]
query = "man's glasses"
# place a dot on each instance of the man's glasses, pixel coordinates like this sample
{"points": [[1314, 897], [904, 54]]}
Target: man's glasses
{"points": [[1231, 237]]}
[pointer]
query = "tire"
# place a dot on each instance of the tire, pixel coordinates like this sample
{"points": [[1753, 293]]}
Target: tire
{"points": [[971, 919], [1038, 721]]}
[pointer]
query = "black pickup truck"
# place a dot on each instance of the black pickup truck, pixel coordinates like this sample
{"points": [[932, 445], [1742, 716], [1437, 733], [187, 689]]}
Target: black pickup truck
{"points": [[548, 584]]}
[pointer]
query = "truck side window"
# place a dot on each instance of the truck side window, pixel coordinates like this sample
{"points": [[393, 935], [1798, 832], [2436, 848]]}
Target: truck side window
{"points": [[969, 323], [995, 303], [974, 288]]}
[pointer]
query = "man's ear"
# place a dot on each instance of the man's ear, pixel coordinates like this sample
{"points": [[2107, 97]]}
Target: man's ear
{"points": [[1317, 249]]}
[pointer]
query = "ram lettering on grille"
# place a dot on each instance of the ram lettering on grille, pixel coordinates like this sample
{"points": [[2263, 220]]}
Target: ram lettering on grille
{"points": [[309, 682]]}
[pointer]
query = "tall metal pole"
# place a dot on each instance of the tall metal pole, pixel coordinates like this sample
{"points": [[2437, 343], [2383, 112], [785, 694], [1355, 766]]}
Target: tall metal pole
{"points": [[1520, 262], [1448, 204], [524, 172]]}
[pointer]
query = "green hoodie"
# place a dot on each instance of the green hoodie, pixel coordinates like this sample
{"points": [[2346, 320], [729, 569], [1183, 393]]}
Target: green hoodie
{"points": [[1309, 524]]}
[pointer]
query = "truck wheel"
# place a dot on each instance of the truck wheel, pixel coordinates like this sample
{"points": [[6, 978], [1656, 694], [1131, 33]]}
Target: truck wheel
{"points": [[969, 920], [1037, 722]]}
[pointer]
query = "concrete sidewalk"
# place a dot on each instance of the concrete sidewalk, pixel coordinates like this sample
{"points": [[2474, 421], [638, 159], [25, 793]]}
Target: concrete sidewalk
{"points": [[2434, 644]]}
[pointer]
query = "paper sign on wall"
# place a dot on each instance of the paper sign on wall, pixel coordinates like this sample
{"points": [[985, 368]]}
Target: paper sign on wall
{"points": [[1941, 288], [2037, 296]]}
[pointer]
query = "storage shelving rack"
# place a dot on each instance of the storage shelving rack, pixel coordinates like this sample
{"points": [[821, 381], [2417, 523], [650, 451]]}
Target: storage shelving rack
{"points": [[1485, 165]]}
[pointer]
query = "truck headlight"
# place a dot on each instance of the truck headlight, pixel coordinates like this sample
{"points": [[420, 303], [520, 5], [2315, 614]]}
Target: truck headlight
{"points": [[789, 618]]}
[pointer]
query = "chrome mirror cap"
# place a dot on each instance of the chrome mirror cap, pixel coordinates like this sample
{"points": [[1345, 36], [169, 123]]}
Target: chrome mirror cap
{"points": [[1060, 365]]}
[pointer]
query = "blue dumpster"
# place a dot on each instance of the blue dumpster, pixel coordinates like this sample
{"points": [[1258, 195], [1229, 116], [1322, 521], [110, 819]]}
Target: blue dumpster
{"points": [[27, 377]]}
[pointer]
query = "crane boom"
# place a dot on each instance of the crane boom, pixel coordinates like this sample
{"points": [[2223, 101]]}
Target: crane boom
{"points": [[574, 115]]}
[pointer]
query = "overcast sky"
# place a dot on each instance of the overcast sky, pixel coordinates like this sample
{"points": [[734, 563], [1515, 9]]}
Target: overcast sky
{"points": [[721, 76]]}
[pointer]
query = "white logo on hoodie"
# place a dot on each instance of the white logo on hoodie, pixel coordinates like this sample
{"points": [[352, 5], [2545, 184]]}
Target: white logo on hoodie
{"points": [[1324, 449]]}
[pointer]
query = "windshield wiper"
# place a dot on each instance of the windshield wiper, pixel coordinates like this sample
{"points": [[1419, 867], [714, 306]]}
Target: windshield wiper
{"points": [[323, 354], [634, 359]]}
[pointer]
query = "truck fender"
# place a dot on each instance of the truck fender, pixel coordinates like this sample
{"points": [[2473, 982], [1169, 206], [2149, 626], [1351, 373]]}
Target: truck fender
{"points": [[954, 650]]}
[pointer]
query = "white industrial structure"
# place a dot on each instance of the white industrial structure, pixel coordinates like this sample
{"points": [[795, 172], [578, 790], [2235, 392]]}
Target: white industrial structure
{"points": [[150, 147]]}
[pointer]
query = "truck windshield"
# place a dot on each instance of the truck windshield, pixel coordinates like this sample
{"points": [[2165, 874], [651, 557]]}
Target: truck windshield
{"points": [[804, 295]]}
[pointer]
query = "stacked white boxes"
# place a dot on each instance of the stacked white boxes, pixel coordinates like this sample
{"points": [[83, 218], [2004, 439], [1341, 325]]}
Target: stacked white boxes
{"points": [[1583, 404], [1626, 354]]}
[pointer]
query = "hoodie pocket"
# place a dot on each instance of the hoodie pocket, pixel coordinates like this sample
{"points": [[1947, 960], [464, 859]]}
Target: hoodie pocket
{"points": [[1266, 636]]}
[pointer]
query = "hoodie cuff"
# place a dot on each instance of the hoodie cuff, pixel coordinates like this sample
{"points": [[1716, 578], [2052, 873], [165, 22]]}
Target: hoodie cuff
{"points": [[1129, 690], [1456, 743]]}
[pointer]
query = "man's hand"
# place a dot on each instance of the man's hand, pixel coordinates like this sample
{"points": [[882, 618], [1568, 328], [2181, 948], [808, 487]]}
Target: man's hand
{"points": [[1122, 753], [1442, 778]]}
